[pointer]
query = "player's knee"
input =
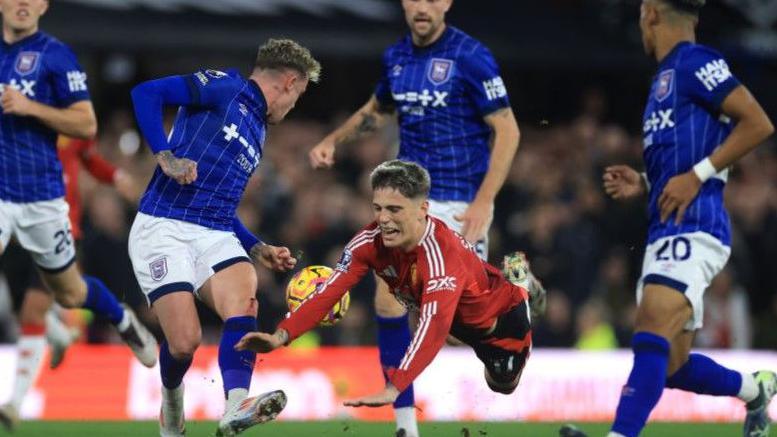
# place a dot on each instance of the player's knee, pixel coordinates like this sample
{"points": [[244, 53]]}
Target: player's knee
{"points": [[502, 383], [663, 322], [183, 347], [70, 295]]}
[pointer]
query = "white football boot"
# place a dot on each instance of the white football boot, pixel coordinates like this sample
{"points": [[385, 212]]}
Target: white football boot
{"points": [[250, 412], [171, 414]]}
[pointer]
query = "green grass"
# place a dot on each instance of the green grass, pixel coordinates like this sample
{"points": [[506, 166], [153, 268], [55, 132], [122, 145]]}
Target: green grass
{"points": [[361, 429]]}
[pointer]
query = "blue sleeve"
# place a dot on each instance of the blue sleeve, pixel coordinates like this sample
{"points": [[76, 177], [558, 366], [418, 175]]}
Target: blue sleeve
{"points": [[383, 89], [211, 88], [247, 239], [707, 80], [149, 98], [68, 79], [483, 82]]}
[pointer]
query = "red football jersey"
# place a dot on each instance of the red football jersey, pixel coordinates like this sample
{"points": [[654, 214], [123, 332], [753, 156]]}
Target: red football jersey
{"points": [[442, 278], [72, 153]]}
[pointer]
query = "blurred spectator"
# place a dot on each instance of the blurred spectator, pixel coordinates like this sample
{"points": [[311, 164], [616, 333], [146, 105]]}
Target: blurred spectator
{"points": [[727, 321], [594, 331]]}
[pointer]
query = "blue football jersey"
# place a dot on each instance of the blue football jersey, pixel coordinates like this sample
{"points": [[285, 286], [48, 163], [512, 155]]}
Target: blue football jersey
{"points": [[223, 132], [44, 70], [441, 94], [683, 124]]}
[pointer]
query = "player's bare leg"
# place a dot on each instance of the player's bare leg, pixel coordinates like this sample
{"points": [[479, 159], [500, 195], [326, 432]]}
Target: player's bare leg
{"points": [[231, 292], [393, 341], [72, 290], [177, 314]]}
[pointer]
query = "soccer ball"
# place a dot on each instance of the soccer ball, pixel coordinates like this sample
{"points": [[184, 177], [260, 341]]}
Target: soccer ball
{"points": [[306, 282]]}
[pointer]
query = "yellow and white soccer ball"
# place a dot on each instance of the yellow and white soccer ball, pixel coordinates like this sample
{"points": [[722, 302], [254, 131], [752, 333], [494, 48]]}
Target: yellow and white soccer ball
{"points": [[306, 282]]}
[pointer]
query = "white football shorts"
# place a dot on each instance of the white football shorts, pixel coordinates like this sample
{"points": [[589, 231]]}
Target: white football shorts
{"points": [[687, 263], [446, 210], [41, 228], [172, 255]]}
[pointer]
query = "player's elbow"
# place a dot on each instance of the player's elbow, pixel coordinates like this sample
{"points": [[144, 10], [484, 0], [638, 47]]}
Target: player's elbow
{"points": [[88, 129]]}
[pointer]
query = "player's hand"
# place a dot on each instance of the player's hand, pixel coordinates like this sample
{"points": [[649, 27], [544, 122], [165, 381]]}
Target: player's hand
{"points": [[274, 257], [678, 193], [622, 182], [262, 342], [15, 103], [182, 170], [126, 185], [323, 154], [386, 396], [476, 220]]}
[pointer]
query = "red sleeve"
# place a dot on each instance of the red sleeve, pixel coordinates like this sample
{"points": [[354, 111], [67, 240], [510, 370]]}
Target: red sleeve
{"points": [[95, 164], [440, 296], [353, 265]]}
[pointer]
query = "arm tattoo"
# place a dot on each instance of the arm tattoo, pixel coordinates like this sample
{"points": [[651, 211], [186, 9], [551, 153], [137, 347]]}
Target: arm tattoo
{"points": [[283, 336], [368, 123]]}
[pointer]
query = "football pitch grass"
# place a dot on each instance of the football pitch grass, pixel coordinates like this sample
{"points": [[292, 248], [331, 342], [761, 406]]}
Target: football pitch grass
{"points": [[362, 429]]}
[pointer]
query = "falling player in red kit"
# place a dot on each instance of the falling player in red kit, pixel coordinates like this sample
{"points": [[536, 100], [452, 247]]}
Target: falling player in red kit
{"points": [[432, 270]]}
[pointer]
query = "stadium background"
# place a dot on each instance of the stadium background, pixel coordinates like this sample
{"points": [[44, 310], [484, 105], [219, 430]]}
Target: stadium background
{"points": [[577, 79]]}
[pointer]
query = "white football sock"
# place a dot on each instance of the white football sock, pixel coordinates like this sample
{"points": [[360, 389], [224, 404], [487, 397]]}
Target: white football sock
{"points": [[406, 420], [234, 397], [125, 322], [749, 390], [56, 331], [30, 355]]}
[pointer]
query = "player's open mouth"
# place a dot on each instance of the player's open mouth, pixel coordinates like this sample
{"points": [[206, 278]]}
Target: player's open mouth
{"points": [[22, 13], [389, 232]]}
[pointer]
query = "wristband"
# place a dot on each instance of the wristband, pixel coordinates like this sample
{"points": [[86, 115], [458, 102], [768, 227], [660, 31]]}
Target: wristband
{"points": [[645, 180], [704, 169]]}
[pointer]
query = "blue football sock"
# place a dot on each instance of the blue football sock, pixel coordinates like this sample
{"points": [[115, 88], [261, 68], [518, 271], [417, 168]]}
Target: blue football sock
{"points": [[236, 367], [172, 370], [101, 301], [645, 385], [702, 375], [393, 341]]}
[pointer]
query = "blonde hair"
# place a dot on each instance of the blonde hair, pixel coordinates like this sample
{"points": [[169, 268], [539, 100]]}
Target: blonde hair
{"points": [[278, 54]]}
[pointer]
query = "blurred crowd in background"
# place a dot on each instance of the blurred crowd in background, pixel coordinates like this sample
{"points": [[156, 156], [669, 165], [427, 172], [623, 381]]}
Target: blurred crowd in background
{"points": [[586, 248]]}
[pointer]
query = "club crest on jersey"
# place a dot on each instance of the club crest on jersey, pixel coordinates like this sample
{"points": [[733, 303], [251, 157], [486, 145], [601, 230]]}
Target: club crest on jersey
{"points": [[396, 71], [665, 85], [345, 261], [26, 62], [158, 268], [440, 70]]}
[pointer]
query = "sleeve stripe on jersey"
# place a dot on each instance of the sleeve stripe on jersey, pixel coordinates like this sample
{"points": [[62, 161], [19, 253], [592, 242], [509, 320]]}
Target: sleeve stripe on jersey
{"points": [[427, 311], [434, 257], [362, 238]]}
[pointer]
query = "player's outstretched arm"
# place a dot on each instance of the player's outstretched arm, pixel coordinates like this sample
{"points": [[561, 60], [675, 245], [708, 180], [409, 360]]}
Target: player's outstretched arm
{"points": [[261, 342], [752, 128], [369, 118], [623, 182], [386, 396], [273, 257], [77, 120]]}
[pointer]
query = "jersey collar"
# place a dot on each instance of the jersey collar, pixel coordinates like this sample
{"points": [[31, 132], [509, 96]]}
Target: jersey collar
{"points": [[679, 47], [261, 101], [26, 40]]}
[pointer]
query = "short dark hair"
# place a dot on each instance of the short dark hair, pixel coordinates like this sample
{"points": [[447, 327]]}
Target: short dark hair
{"points": [[278, 54], [692, 7], [409, 178]]}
